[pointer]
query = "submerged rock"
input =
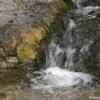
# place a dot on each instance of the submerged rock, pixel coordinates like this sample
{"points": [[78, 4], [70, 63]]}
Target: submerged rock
{"points": [[23, 24]]}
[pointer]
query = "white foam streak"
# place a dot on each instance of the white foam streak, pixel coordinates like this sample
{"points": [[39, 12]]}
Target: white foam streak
{"points": [[69, 54], [71, 24], [86, 10]]}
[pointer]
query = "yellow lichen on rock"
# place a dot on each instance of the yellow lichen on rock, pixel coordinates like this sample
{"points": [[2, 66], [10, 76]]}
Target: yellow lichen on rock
{"points": [[26, 50], [34, 35], [60, 4], [40, 33]]}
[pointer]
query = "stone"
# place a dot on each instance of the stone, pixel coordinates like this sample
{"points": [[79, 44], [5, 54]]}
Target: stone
{"points": [[12, 59], [23, 24], [2, 54], [3, 64]]}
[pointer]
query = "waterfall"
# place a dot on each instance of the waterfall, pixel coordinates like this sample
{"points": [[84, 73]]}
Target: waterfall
{"points": [[78, 3], [75, 39], [57, 53], [68, 53], [60, 65]]}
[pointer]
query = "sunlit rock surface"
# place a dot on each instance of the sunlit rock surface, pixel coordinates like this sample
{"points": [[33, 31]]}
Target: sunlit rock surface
{"points": [[23, 24]]}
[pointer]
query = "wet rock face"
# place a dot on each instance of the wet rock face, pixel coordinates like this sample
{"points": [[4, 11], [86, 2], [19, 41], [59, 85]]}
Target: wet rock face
{"points": [[91, 3], [23, 24], [83, 37]]}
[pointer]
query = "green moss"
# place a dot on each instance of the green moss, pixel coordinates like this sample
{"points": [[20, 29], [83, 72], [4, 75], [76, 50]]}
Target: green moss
{"points": [[62, 5], [26, 52]]}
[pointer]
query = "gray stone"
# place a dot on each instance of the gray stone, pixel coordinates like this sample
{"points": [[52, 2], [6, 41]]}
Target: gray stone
{"points": [[12, 59], [3, 64], [2, 54]]}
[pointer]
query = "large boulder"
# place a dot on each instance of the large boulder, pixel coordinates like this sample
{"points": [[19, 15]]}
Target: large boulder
{"points": [[23, 24]]}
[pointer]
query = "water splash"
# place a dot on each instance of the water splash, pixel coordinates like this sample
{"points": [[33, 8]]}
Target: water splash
{"points": [[54, 77]]}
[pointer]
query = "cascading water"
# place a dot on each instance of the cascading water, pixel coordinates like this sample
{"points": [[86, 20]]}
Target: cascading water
{"points": [[57, 53], [78, 3], [58, 77], [65, 58]]}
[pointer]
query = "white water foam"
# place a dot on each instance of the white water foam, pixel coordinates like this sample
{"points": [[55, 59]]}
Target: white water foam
{"points": [[54, 77], [88, 9], [60, 77]]}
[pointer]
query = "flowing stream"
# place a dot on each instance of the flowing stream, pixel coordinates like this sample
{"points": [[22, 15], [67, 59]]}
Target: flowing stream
{"points": [[62, 70], [67, 75]]}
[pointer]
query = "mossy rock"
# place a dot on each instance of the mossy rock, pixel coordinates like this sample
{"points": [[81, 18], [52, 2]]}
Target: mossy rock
{"points": [[24, 25], [27, 49], [26, 52]]}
